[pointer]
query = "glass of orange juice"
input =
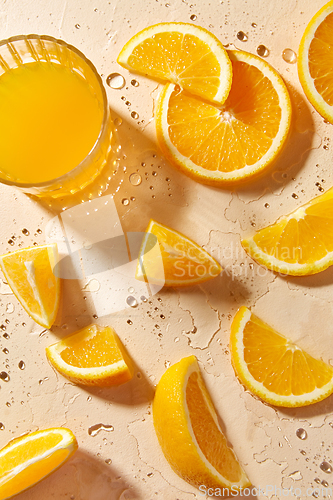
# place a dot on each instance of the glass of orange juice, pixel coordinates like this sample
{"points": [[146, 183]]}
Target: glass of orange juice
{"points": [[56, 134]]}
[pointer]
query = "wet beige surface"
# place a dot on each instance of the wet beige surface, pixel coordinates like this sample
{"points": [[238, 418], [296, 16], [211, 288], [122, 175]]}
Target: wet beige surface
{"points": [[122, 459]]}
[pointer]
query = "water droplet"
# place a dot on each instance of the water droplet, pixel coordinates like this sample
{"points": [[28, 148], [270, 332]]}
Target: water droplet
{"points": [[135, 179], [143, 298], [326, 467], [242, 36], [194, 329], [129, 322], [117, 121], [297, 476], [303, 452], [108, 461], [5, 350], [131, 301], [95, 429], [177, 339], [8, 404], [115, 81], [125, 201], [127, 103], [25, 232], [325, 483], [262, 51], [266, 205], [1, 426], [193, 17], [135, 83], [162, 316], [254, 25], [4, 376], [6, 336], [294, 195], [315, 494], [77, 26], [10, 308], [134, 115], [150, 474], [11, 242], [21, 365], [289, 56], [317, 480], [301, 433]]}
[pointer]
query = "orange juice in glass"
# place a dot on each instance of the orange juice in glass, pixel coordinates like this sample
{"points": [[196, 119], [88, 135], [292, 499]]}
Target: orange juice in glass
{"points": [[56, 135]]}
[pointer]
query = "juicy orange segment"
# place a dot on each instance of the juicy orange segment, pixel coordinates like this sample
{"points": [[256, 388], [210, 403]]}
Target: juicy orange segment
{"points": [[188, 431], [29, 273], [218, 145], [273, 367], [27, 460], [183, 261], [298, 244], [315, 61], [181, 53], [92, 356]]}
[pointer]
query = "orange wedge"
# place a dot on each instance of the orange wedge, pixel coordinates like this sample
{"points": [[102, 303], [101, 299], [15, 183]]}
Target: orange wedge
{"points": [[92, 356], [29, 273], [315, 60], [188, 431], [184, 262], [181, 53], [298, 244], [275, 368], [27, 460], [219, 145]]}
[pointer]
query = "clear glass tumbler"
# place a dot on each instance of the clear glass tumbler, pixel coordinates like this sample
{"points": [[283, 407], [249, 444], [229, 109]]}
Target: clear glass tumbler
{"points": [[91, 176]]}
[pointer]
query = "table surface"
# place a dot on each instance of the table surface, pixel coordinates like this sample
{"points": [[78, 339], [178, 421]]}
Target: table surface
{"points": [[126, 462]]}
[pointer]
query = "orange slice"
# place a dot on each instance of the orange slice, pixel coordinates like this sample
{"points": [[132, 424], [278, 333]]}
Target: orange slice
{"points": [[315, 60], [298, 244], [275, 368], [181, 53], [29, 273], [27, 460], [183, 261], [188, 431], [219, 145], [92, 356]]}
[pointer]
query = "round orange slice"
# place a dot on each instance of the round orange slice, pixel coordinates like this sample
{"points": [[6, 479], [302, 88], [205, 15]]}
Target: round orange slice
{"points": [[226, 144], [182, 53], [315, 61]]}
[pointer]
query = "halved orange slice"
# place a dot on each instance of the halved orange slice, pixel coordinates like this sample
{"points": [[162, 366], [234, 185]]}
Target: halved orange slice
{"points": [[181, 53], [275, 368], [298, 244]]}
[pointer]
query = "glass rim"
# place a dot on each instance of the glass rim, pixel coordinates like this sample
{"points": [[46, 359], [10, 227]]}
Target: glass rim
{"points": [[104, 123]]}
